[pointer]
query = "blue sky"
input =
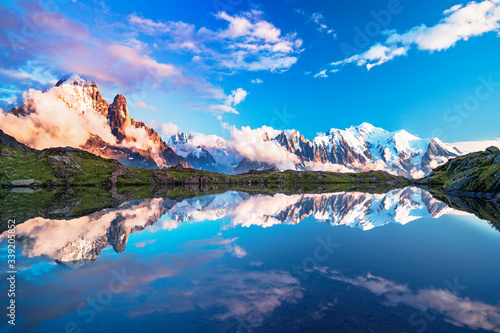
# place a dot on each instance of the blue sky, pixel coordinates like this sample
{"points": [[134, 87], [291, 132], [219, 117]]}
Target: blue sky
{"points": [[307, 65]]}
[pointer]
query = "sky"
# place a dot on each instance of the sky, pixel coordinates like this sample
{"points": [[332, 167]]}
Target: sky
{"points": [[429, 67]]}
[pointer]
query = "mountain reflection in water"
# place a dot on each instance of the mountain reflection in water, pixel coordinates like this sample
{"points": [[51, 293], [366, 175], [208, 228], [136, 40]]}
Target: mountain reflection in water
{"points": [[78, 241], [240, 262]]}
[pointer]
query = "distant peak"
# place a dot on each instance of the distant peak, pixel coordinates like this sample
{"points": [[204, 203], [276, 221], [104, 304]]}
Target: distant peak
{"points": [[75, 80], [179, 138], [367, 126], [404, 134], [363, 128]]}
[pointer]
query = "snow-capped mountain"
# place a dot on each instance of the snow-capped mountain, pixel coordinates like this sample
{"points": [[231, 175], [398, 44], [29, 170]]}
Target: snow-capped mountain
{"points": [[108, 130], [74, 113], [358, 148], [200, 158], [179, 139], [80, 240]]}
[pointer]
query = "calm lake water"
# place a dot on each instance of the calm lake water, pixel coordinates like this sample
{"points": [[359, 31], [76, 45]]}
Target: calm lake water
{"points": [[234, 262]]}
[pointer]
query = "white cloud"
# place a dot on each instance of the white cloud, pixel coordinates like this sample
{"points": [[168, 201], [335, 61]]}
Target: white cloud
{"points": [[473, 146], [20, 75], [238, 251], [319, 20], [452, 9], [460, 23], [321, 74], [54, 123], [248, 42], [221, 108], [236, 97], [143, 105], [169, 129], [256, 81], [376, 55], [253, 144]]}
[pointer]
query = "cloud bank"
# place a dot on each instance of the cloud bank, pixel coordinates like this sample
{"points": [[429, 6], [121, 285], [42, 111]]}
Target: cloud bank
{"points": [[248, 42], [54, 124]]}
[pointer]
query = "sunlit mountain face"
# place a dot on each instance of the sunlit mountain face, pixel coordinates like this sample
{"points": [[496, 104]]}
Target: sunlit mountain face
{"points": [[239, 261]]}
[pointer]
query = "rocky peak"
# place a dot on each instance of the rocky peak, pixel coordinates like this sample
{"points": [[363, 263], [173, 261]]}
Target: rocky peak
{"points": [[75, 80], [492, 150], [179, 139], [24, 110], [82, 94], [118, 116]]}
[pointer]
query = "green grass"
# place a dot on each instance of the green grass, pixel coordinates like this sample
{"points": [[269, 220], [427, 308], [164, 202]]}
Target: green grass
{"points": [[87, 169], [474, 172]]}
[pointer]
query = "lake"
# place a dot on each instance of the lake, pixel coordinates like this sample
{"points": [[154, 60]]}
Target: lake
{"points": [[401, 261]]}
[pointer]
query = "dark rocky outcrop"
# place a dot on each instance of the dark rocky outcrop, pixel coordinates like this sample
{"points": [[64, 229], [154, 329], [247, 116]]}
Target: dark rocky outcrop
{"points": [[246, 165], [10, 141], [477, 173]]}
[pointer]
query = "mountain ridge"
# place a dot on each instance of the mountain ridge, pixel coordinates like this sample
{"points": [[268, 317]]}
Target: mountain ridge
{"points": [[358, 148], [113, 133]]}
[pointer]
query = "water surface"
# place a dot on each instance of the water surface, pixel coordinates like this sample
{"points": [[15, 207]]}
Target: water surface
{"points": [[401, 261]]}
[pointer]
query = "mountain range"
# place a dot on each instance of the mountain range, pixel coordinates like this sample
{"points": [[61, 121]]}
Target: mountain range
{"points": [[356, 149], [110, 132]]}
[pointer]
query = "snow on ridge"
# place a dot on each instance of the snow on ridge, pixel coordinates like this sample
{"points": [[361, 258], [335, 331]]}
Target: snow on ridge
{"points": [[373, 148], [75, 79]]}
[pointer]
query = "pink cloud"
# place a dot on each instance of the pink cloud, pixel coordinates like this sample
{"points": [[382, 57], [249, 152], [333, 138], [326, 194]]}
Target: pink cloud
{"points": [[52, 40]]}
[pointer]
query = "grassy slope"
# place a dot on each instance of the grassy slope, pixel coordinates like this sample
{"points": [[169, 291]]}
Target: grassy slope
{"points": [[475, 172], [92, 170]]}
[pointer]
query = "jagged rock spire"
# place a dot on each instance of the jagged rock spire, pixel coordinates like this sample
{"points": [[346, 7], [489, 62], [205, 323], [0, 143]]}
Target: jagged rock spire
{"points": [[118, 116]]}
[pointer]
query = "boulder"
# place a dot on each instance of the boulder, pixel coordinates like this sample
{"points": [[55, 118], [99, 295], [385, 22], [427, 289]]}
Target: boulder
{"points": [[63, 166], [492, 150], [22, 183], [57, 160], [24, 190], [5, 152], [179, 167], [497, 159]]}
